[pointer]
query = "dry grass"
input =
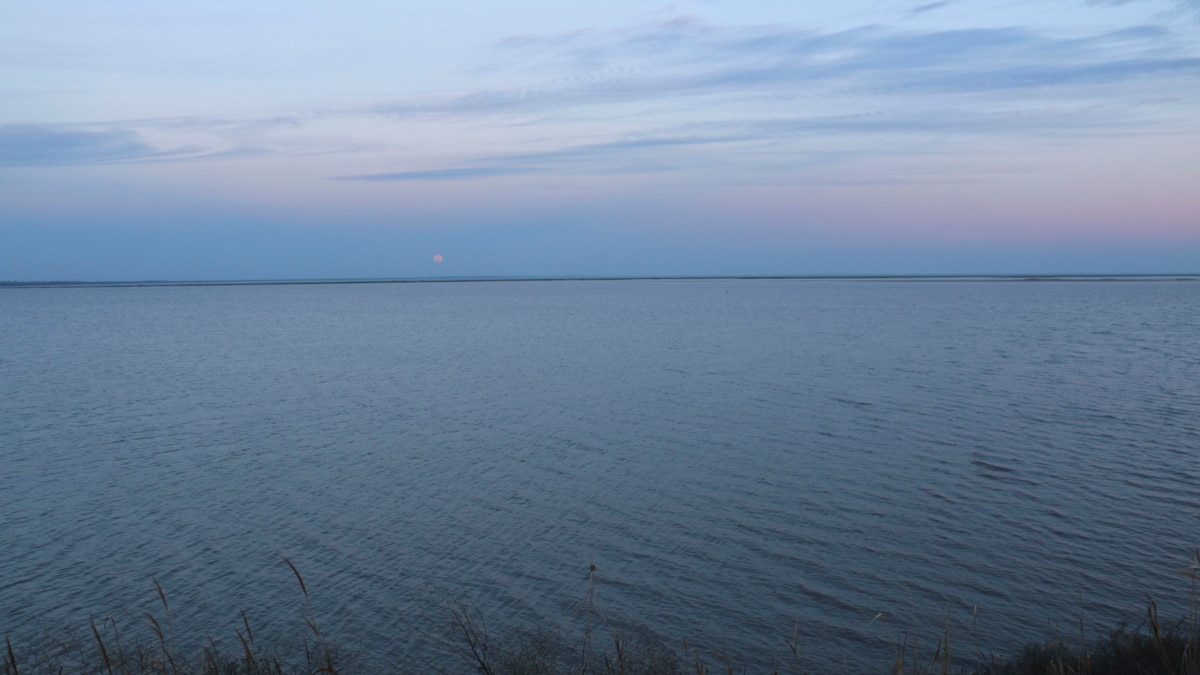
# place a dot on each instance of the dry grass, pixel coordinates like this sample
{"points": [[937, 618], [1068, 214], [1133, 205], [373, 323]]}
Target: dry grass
{"points": [[103, 652], [1152, 647]]}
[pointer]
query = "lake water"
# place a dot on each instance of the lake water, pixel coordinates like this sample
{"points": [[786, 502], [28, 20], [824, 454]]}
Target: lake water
{"points": [[739, 458]]}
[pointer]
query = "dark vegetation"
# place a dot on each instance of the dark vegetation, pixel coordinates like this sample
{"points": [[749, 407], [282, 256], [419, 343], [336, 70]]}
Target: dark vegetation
{"points": [[1152, 646]]}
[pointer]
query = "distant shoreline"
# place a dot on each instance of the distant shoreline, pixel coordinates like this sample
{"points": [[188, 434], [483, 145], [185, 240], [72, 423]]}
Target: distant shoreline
{"points": [[740, 277]]}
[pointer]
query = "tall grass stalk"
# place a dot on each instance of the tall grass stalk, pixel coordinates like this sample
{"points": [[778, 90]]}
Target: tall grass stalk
{"points": [[1156, 646], [10, 659], [323, 658]]}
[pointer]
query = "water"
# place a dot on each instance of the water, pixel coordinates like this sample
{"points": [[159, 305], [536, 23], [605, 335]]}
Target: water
{"points": [[739, 459]]}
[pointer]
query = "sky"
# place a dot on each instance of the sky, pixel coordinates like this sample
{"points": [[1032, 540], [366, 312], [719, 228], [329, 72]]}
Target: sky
{"points": [[224, 139]]}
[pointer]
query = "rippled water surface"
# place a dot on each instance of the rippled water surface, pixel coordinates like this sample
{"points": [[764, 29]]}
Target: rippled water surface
{"points": [[737, 458]]}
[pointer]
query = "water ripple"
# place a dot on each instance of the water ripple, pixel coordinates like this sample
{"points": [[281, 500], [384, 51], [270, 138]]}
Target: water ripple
{"points": [[740, 459]]}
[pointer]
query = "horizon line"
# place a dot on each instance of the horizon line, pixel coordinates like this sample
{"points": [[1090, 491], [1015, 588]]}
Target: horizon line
{"points": [[1180, 276]]}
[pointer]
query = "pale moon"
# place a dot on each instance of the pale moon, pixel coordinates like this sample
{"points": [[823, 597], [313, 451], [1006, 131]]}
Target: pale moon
{"points": [[437, 257]]}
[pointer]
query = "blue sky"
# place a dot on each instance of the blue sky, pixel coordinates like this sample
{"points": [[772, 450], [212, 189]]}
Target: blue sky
{"points": [[251, 140]]}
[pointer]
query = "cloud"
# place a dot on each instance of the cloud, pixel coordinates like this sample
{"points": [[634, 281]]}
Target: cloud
{"points": [[690, 59], [44, 145], [457, 173], [658, 153], [190, 139], [1071, 121], [650, 97], [1183, 5], [620, 156], [929, 7], [781, 97]]}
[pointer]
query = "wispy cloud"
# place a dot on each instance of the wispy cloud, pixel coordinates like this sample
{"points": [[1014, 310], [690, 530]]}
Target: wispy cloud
{"points": [[45, 145], [1183, 5], [457, 173], [929, 7], [691, 59], [648, 98], [651, 97], [631, 155], [169, 139], [768, 138], [1062, 122]]}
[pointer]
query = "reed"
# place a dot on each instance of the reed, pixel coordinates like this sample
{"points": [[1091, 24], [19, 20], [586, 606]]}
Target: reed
{"points": [[1154, 646], [321, 653]]}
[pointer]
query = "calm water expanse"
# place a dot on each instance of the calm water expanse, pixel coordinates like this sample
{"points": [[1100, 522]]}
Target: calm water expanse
{"points": [[736, 457]]}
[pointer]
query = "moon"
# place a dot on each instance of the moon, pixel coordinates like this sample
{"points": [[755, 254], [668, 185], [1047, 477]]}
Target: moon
{"points": [[437, 257]]}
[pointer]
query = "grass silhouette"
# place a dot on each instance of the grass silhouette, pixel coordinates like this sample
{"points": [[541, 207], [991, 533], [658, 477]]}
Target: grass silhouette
{"points": [[1151, 647]]}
